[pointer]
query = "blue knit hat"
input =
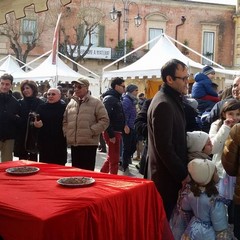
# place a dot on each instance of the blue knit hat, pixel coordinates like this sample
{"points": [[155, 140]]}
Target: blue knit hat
{"points": [[130, 88], [207, 70]]}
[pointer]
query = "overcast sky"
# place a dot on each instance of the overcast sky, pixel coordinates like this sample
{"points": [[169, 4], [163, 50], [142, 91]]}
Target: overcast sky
{"points": [[231, 2]]}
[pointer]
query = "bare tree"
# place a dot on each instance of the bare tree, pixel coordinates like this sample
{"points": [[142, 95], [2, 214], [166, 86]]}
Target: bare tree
{"points": [[22, 34], [84, 25]]}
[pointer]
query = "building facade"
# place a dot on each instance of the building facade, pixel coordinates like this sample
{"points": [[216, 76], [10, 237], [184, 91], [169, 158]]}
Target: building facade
{"points": [[210, 29]]}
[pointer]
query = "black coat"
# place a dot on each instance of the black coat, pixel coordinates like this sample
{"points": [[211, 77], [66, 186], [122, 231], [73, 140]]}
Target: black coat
{"points": [[113, 105], [9, 116], [51, 141], [26, 131], [167, 146]]}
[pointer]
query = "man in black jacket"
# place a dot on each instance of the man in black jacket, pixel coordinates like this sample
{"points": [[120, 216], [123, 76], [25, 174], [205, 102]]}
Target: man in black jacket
{"points": [[9, 117], [113, 134]]}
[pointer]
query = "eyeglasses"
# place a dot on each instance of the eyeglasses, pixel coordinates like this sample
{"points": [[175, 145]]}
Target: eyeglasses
{"points": [[79, 86], [51, 94], [122, 86], [182, 78]]}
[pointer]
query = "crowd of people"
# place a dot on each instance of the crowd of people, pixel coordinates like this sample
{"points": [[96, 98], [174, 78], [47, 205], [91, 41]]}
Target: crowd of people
{"points": [[194, 165]]}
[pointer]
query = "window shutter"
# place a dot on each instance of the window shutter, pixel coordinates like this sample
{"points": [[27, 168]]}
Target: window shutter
{"points": [[101, 36]]}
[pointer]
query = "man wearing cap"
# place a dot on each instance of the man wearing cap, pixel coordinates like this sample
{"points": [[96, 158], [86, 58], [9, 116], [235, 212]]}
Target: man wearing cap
{"points": [[129, 134], [84, 119], [203, 90]]}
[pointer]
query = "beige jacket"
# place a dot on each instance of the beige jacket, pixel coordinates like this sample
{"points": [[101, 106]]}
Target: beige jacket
{"points": [[83, 123]]}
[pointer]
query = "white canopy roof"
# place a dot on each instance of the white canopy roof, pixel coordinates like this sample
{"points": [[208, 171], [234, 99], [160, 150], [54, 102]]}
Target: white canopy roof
{"points": [[10, 65], [151, 63], [56, 72]]}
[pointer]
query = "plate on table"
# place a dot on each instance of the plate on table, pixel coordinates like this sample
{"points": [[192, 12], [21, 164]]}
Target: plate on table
{"points": [[76, 181], [22, 170]]}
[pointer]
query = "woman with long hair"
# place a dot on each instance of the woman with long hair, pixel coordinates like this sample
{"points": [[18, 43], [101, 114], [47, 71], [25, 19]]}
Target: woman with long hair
{"points": [[26, 141]]}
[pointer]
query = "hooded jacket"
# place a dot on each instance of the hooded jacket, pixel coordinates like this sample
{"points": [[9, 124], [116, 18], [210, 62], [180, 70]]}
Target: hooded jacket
{"points": [[202, 86], [113, 104]]}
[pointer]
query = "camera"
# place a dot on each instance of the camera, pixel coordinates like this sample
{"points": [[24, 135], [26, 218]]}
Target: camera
{"points": [[34, 116]]}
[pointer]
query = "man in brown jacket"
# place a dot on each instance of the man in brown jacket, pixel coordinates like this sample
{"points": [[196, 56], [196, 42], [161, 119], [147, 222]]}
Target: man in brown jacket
{"points": [[85, 118], [231, 164], [167, 146]]}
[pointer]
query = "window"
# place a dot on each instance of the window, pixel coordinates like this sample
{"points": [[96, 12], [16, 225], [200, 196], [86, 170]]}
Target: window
{"points": [[97, 37], [156, 25], [154, 32], [208, 47], [28, 30]]}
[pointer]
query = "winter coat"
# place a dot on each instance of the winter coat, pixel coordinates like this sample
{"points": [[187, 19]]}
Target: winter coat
{"points": [[231, 158], [167, 145], [83, 122], [28, 104], [141, 120], [210, 216], [129, 109], [202, 87], [9, 116], [51, 141], [113, 105], [214, 114], [218, 138]]}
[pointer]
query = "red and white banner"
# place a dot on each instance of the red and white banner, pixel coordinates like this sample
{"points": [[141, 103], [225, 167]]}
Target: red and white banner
{"points": [[56, 40]]}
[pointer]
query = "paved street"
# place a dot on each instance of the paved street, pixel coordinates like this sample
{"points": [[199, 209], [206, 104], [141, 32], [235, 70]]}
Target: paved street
{"points": [[102, 156]]}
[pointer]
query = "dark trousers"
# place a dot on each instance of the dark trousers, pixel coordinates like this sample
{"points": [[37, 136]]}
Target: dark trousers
{"points": [[28, 156], [129, 147], [236, 221], [102, 143], [84, 157]]}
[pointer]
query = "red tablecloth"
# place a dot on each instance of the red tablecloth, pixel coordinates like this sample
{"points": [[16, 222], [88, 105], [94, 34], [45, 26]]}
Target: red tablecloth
{"points": [[36, 207]]}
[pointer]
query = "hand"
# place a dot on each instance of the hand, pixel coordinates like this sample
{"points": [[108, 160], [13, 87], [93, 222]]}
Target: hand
{"points": [[112, 140], [126, 129], [38, 124], [229, 122]]}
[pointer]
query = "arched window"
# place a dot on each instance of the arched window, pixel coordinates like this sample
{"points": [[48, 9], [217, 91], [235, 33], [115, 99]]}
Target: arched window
{"points": [[156, 24]]}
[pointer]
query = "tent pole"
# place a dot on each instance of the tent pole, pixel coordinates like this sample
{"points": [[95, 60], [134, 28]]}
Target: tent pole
{"points": [[26, 65], [168, 37], [86, 69], [119, 59]]}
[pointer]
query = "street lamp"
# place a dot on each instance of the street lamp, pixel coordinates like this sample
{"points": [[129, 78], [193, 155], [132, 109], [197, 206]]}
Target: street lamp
{"points": [[114, 14], [183, 19]]}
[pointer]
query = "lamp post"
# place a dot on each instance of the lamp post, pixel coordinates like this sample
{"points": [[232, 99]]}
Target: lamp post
{"points": [[183, 19], [114, 14]]}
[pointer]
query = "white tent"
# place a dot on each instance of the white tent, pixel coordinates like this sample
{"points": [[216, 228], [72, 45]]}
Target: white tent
{"points": [[150, 64], [59, 72], [10, 65]]}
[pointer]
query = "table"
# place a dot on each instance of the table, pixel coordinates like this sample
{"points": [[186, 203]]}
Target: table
{"points": [[36, 207]]}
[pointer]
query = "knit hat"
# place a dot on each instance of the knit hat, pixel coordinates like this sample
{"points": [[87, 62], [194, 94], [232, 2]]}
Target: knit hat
{"points": [[207, 70], [82, 81], [201, 170], [130, 88], [196, 141]]}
